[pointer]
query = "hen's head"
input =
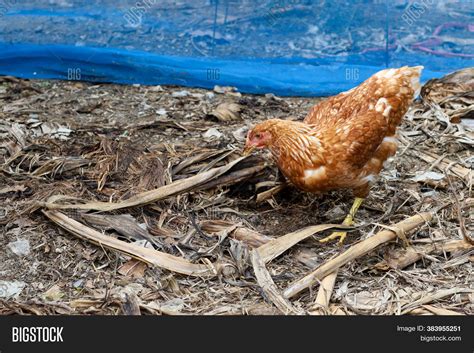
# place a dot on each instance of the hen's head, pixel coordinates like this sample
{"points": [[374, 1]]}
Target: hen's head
{"points": [[261, 136]]}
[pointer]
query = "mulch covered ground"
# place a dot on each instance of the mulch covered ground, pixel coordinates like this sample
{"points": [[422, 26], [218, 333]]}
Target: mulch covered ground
{"points": [[74, 143]]}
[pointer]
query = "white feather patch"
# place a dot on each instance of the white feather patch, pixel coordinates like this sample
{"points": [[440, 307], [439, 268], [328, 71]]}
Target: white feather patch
{"points": [[315, 140], [390, 139], [381, 104], [313, 174], [369, 179], [386, 73], [415, 85], [383, 107]]}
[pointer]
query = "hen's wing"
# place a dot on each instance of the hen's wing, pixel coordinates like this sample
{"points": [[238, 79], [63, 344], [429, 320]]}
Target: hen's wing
{"points": [[358, 127], [361, 118], [386, 92]]}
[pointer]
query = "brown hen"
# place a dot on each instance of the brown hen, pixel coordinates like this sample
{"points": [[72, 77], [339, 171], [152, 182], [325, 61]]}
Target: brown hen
{"points": [[344, 140]]}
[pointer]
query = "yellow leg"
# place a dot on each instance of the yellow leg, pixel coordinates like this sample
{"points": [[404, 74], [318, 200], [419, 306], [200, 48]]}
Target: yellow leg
{"points": [[347, 222]]}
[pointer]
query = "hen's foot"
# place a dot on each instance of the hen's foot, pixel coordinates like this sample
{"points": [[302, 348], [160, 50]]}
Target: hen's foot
{"points": [[335, 235], [349, 220]]}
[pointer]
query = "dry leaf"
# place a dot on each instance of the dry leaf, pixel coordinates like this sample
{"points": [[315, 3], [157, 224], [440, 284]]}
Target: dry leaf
{"points": [[227, 112], [212, 133], [133, 268], [53, 294], [427, 176]]}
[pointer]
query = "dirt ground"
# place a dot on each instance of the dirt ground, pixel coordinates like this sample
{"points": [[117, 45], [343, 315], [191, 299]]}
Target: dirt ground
{"points": [[105, 142]]}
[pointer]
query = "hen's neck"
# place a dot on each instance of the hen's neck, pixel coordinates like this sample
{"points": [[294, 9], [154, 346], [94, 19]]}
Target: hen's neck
{"points": [[296, 142]]}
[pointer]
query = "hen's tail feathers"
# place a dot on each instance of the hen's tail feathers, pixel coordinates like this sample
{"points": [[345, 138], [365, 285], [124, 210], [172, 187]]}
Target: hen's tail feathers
{"points": [[410, 76], [414, 74]]}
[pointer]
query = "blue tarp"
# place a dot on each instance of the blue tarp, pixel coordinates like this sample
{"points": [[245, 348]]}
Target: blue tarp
{"points": [[288, 47]]}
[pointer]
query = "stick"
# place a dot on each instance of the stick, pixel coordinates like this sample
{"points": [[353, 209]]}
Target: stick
{"points": [[433, 297], [411, 255], [265, 195], [432, 310], [278, 246], [150, 256], [268, 286], [234, 177], [441, 311], [445, 165], [248, 236], [271, 250], [321, 304], [354, 252], [175, 188]]}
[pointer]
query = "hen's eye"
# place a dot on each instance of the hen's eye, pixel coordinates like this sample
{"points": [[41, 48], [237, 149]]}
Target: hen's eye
{"points": [[258, 136]]}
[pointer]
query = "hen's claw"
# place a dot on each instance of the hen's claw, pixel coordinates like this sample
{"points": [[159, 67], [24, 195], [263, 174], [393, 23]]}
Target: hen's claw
{"points": [[348, 221], [335, 235]]}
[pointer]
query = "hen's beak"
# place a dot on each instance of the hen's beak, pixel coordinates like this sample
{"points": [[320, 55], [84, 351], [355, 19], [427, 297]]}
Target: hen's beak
{"points": [[248, 149]]}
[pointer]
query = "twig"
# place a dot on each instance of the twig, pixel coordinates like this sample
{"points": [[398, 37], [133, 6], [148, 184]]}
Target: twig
{"points": [[268, 286], [433, 297], [248, 236], [276, 247], [413, 254], [265, 195], [462, 226], [445, 165], [150, 256], [175, 188], [234, 177], [432, 310], [194, 159], [354, 252], [321, 304]]}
